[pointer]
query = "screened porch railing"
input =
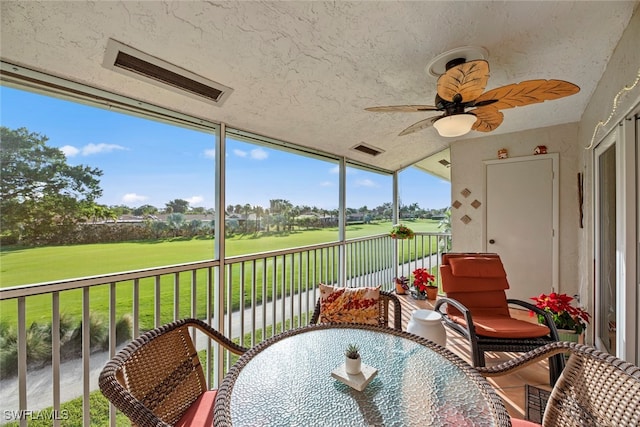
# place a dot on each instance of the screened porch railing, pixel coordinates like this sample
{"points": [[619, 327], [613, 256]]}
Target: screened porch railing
{"points": [[263, 294]]}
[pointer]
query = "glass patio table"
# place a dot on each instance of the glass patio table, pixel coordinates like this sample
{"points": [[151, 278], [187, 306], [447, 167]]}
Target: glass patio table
{"points": [[287, 381]]}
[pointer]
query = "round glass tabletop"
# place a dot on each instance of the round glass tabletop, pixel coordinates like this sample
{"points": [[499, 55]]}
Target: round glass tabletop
{"points": [[289, 383]]}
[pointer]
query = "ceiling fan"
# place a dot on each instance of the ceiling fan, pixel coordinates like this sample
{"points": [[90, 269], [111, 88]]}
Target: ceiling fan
{"points": [[462, 87]]}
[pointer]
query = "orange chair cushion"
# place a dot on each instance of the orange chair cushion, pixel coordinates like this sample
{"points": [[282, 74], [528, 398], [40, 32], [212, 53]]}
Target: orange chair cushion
{"points": [[349, 305], [503, 327], [477, 267], [487, 303], [453, 283], [516, 422], [450, 255], [200, 413]]}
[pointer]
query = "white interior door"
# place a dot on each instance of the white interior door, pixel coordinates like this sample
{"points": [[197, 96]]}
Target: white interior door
{"points": [[522, 222]]}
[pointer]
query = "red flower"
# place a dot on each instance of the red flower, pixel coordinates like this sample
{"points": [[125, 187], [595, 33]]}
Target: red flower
{"points": [[565, 315], [422, 279]]}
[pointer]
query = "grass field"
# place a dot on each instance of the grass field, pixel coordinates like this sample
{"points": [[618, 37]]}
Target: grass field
{"points": [[35, 265]]}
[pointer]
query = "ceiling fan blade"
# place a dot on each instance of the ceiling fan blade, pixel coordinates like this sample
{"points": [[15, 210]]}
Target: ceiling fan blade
{"points": [[467, 80], [482, 103], [422, 124], [403, 108], [489, 118], [528, 92]]}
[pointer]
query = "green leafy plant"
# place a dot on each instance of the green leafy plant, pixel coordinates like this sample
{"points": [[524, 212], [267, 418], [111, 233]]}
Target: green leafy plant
{"points": [[403, 282], [565, 315], [352, 351], [400, 231]]}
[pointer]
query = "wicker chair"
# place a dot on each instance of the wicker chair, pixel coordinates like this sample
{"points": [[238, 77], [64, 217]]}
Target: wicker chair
{"points": [[157, 379], [386, 298], [595, 388], [476, 307]]}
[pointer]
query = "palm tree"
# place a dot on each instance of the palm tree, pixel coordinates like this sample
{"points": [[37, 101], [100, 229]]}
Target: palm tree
{"points": [[246, 209], [175, 221], [259, 211]]}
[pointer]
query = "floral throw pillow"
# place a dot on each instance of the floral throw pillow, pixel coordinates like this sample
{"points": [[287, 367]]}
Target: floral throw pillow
{"points": [[349, 305]]}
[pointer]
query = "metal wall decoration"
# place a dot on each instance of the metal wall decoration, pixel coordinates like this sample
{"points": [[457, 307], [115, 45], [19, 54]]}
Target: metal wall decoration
{"points": [[580, 197]]}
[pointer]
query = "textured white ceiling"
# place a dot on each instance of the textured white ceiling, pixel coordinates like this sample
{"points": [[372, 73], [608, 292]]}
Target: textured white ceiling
{"points": [[303, 72]]}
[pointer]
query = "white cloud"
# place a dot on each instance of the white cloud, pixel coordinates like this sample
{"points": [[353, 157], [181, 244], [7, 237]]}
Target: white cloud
{"points": [[210, 153], [69, 150], [90, 149], [259, 154], [336, 169], [240, 153], [133, 198], [193, 201], [365, 183]]}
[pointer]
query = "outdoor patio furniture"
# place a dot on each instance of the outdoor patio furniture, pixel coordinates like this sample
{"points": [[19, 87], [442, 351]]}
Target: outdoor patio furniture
{"points": [[595, 388], [296, 379], [476, 307], [157, 379], [386, 299]]}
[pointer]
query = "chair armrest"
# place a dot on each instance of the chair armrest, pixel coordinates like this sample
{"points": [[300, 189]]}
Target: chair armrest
{"points": [[316, 313], [216, 336], [397, 309], [548, 318], [469, 331], [529, 358]]}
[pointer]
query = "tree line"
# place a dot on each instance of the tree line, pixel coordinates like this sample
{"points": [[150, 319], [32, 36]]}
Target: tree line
{"points": [[44, 200]]}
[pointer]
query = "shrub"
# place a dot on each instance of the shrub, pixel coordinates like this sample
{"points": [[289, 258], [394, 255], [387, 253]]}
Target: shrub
{"points": [[39, 340], [98, 332], [8, 351], [124, 329]]}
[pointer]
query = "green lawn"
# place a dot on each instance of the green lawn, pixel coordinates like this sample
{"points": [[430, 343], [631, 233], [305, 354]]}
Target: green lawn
{"points": [[34, 265]]}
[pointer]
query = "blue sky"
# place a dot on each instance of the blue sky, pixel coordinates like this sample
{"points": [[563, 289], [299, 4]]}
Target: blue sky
{"points": [[147, 162]]}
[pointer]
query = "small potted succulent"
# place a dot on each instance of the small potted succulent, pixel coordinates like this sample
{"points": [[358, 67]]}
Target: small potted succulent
{"points": [[352, 361]]}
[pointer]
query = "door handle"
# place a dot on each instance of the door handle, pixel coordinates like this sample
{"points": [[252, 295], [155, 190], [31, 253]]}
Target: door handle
{"points": [[491, 241]]}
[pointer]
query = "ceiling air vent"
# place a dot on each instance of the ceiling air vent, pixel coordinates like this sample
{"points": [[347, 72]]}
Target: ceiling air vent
{"points": [[367, 149], [127, 60]]}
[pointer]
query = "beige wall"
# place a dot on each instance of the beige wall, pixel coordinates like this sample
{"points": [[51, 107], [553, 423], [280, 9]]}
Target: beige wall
{"points": [[576, 244], [467, 171], [622, 70]]}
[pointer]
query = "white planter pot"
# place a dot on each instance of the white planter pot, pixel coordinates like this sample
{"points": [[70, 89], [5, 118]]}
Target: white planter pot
{"points": [[352, 366]]}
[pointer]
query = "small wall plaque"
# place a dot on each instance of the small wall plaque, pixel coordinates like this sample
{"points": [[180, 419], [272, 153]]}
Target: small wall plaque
{"points": [[476, 204], [540, 149], [456, 204], [466, 219], [466, 192]]}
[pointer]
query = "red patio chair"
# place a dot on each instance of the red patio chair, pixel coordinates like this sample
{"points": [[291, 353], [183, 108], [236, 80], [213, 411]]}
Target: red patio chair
{"points": [[476, 307]]}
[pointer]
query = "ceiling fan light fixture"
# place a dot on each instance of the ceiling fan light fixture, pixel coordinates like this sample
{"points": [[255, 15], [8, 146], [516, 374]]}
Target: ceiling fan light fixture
{"points": [[455, 125]]}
